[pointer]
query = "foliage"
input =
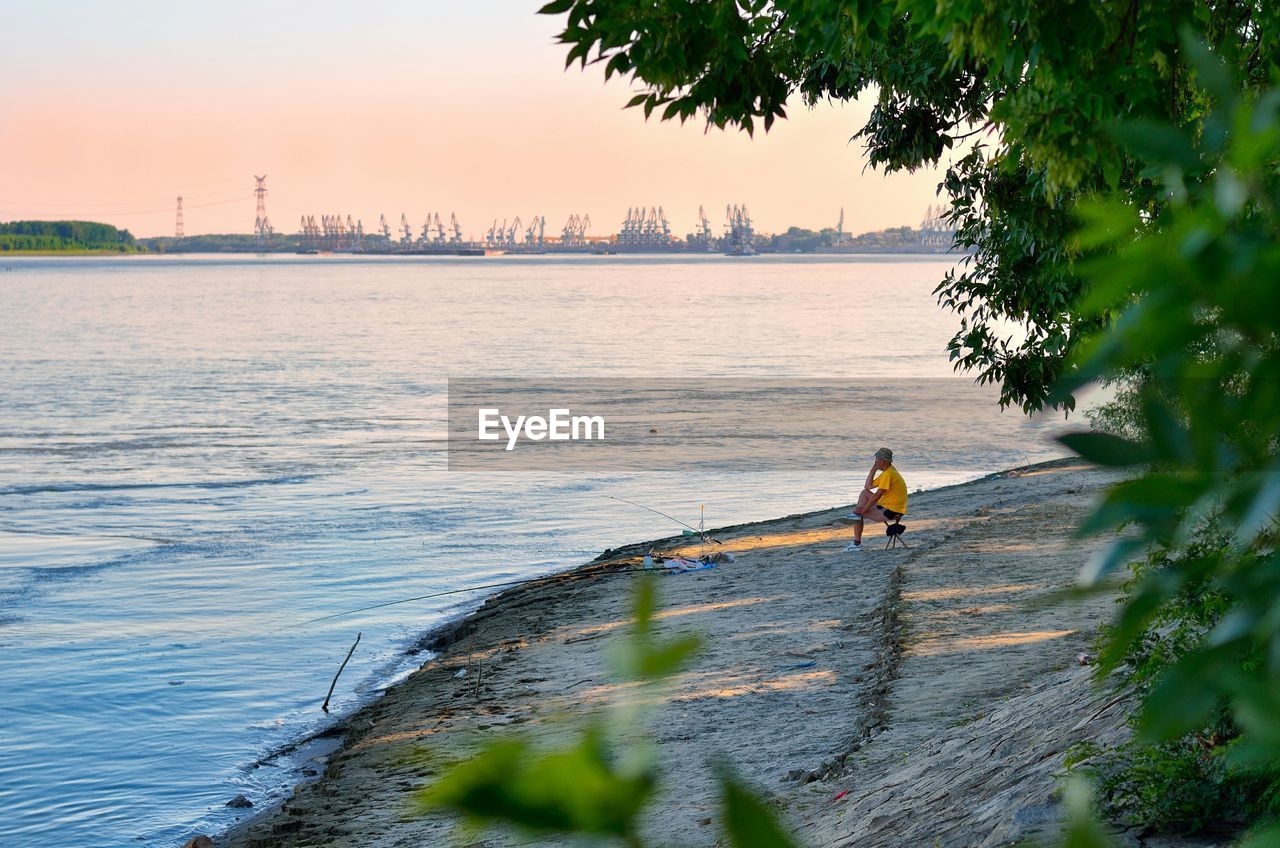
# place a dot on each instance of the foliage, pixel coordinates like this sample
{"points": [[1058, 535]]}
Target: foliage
{"points": [[1193, 289], [63, 236], [1039, 83], [1083, 830], [1189, 783], [1122, 415], [800, 240], [1182, 622], [223, 243], [576, 790], [1204, 326], [599, 784]]}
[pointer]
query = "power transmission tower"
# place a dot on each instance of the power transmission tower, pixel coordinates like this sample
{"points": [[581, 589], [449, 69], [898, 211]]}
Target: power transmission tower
{"points": [[261, 223], [177, 226]]}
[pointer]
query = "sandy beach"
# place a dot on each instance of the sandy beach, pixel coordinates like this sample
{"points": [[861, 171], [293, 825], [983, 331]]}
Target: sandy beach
{"points": [[920, 696]]}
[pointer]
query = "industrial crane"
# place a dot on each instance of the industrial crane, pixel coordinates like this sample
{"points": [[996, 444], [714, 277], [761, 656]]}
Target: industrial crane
{"points": [[575, 230], [739, 237], [408, 230], [386, 229], [533, 236], [704, 226]]}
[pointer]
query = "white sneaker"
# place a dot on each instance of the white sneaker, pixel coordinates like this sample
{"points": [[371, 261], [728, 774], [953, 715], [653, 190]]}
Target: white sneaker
{"points": [[854, 546]]}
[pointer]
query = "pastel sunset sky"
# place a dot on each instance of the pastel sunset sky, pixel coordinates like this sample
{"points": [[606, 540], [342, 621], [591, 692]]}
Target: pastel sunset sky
{"points": [[110, 110]]}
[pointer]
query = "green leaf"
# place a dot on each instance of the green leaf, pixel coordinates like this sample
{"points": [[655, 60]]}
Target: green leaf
{"points": [[556, 7], [1107, 449], [1265, 837], [748, 823], [665, 660], [1083, 829], [1182, 700], [1158, 143], [1115, 555], [576, 790], [1141, 607], [642, 657], [1211, 71]]}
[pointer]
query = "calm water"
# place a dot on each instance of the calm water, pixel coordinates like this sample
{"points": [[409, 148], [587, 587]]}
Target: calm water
{"points": [[197, 455]]}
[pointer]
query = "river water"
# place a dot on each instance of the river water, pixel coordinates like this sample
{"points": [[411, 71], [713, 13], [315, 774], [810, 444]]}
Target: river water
{"points": [[199, 454]]}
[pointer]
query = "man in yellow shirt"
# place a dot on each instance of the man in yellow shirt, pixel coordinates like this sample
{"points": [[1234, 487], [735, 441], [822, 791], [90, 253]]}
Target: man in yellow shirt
{"points": [[883, 497]]}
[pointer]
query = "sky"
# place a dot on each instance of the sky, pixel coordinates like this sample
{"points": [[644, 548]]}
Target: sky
{"points": [[109, 111]]}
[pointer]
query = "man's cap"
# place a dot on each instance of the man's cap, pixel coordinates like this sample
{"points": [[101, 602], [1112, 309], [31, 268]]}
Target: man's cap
{"points": [[885, 454]]}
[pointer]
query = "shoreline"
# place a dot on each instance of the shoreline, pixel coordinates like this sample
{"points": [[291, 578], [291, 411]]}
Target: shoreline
{"points": [[343, 738], [442, 635], [676, 255]]}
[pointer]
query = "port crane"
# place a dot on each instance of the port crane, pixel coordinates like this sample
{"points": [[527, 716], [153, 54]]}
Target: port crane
{"points": [[509, 233], [575, 230], [407, 238], [645, 228], [702, 237], [455, 228], [432, 229], [386, 229], [739, 236], [534, 235]]}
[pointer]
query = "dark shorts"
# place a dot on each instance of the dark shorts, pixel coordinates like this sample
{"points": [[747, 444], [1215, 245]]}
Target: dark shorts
{"points": [[890, 514]]}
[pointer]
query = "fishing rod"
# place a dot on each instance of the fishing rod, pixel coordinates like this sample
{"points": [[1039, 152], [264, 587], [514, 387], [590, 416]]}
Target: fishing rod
{"points": [[692, 529]]}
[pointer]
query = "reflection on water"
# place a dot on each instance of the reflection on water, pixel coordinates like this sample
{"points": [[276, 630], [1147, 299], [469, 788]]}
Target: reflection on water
{"points": [[197, 455]]}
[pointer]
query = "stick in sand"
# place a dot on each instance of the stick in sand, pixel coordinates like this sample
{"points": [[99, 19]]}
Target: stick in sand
{"points": [[325, 705]]}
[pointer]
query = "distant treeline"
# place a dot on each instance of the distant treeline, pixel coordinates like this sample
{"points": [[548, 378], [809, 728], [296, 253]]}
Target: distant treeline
{"points": [[220, 243], [799, 240], [66, 236]]}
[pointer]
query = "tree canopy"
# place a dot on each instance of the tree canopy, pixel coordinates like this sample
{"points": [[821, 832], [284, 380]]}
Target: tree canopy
{"points": [[1037, 90], [64, 236]]}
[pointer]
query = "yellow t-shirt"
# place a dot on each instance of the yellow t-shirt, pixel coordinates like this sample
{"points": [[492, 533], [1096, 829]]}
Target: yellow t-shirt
{"points": [[894, 488]]}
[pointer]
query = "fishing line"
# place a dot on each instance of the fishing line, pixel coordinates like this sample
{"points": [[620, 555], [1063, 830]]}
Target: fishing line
{"points": [[548, 578], [571, 575], [701, 533]]}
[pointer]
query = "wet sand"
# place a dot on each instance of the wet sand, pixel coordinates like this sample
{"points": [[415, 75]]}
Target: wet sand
{"points": [[920, 696]]}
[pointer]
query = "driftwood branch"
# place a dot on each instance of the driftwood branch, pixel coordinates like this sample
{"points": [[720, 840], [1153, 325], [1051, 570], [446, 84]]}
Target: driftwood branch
{"points": [[325, 705]]}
